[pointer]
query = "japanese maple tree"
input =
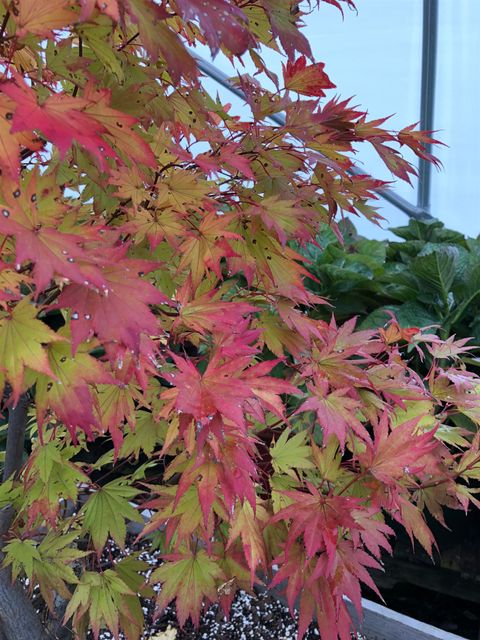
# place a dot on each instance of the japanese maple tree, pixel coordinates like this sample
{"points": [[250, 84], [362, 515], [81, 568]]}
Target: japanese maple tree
{"points": [[153, 300]]}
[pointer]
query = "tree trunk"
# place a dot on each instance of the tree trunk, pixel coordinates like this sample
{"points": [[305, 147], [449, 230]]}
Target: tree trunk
{"points": [[18, 618]]}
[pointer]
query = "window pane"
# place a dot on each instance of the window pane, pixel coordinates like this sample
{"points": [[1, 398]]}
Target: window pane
{"points": [[456, 189]]}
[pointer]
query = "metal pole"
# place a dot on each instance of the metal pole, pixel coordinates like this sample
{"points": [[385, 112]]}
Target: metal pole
{"points": [[427, 98]]}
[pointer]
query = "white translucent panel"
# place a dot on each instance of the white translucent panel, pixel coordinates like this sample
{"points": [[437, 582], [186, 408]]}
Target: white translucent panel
{"points": [[456, 190], [374, 55], [393, 218]]}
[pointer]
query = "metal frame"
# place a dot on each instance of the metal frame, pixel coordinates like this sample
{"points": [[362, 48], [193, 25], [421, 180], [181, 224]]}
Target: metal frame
{"points": [[427, 96], [420, 211]]}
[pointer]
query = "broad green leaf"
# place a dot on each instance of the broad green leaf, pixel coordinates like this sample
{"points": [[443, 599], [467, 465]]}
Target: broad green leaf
{"points": [[417, 229], [437, 269]]}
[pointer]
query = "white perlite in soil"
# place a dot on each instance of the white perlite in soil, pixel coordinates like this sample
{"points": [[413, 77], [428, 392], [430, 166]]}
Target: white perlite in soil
{"points": [[260, 617]]}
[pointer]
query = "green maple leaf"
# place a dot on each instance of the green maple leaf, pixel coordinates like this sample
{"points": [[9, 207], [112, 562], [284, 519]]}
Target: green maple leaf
{"points": [[54, 571], [148, 434], [99, 599], [22, 337], [20, 555], [190, 578], [51, 478], [291, 453], [106, 511]]}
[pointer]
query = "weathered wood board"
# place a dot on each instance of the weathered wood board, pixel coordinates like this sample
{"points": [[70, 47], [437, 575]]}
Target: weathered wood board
{"points": [[381, 623]]}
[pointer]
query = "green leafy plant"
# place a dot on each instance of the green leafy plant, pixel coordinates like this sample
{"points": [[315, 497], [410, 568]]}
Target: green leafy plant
{"points": [[429, 277]]}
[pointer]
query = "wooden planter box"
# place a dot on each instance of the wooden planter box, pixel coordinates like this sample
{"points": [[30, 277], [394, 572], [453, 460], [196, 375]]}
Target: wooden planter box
{"points": [[381, 623]]}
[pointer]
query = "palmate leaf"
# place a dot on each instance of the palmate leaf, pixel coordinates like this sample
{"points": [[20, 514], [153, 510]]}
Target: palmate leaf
{"points": [[69, 395], [309, 80], [22, 337], [33, 212], [99, 600], [291, 453], [123, 296], [90, 121], [20, 555], [42, 16], [51, 479], [106, 512], [336, 412], [61, 119], [248, 526], [398, 450], [190, 578], [47, 563]]}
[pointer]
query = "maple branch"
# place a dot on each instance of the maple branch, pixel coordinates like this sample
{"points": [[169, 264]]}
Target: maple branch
{"points": [[17, 425], [3, 26]]}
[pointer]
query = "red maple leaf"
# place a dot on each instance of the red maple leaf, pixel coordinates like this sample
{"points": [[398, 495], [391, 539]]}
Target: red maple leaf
{"points": [[418, 142], [309, 80], [119, 309], [61, 119], [398, 451], [336, 412], [317, 518], [31, 211], [223, 23], [232, 388]]}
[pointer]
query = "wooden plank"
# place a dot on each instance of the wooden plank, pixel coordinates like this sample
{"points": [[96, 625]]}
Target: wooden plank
{"points": [[381, 623]]}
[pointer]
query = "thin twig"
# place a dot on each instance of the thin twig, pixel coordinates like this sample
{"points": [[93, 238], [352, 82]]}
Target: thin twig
{"points": [[80, 54], [4, 26], [129, 41]]}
